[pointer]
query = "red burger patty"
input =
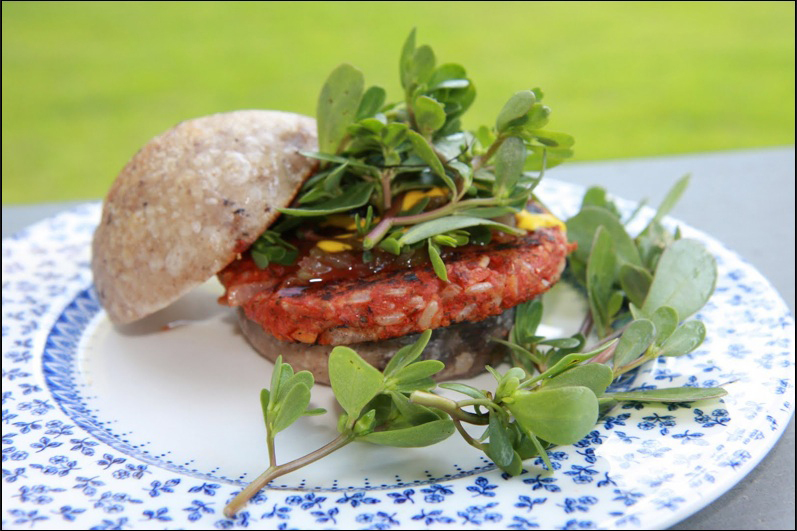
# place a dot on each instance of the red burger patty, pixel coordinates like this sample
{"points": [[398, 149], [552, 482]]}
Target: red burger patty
{"points": [[484, 280]]}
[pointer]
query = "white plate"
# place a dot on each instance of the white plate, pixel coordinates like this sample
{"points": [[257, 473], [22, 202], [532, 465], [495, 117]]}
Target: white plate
{"points": [[135, 427]]}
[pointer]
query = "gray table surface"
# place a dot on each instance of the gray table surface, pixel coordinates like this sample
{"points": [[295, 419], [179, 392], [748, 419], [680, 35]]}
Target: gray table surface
{"points": [[744, 199]]}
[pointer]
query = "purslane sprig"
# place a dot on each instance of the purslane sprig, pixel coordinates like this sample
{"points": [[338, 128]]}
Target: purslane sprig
{"points": [[373, 153], [376, 407]]}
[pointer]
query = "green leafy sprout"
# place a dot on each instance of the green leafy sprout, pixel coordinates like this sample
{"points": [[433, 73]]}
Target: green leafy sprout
{"points": [[373, 152], [641, 290]]}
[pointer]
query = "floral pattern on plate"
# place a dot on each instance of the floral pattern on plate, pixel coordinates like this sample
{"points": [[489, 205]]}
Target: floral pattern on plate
{"points": [[643, 466]]}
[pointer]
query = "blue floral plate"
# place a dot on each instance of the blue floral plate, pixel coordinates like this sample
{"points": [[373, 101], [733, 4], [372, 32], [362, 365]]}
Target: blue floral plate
{"points": [[157, 424]]}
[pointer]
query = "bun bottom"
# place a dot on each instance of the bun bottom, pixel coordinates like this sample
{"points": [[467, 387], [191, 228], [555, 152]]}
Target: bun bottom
{"points": [[464, 348]]}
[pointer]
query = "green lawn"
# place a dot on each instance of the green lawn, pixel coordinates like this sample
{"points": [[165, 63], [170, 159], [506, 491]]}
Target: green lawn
{"points": [[86, 84]]}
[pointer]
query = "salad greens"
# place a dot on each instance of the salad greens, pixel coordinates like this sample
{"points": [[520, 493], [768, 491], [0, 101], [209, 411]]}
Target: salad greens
{"points": [[641, 289], [373, 153]]}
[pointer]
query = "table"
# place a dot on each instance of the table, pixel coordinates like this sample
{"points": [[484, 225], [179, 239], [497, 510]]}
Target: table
{"points": [[744, 199]]}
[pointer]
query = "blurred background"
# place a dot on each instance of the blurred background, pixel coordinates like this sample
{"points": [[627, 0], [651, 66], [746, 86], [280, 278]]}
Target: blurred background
{"points": [[85, 85]]}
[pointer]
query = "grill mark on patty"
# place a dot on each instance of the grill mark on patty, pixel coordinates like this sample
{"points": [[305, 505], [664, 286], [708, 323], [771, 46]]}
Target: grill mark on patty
{"points": [[517, 270]]}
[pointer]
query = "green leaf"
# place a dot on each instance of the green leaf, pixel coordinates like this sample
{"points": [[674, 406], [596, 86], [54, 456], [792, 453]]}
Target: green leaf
{"points": [[425, 434], [581, 229], [488, 212], [634, 342], [562, 416], [332, 181], [427, 229], [353, 380], [524, 354], [406, 62], [652, 242], [522, 443], [390, 245], [447, 73], [437, 262], [429, 115], [596, 196], [365, 424], [315, 411], [423, 64], [595, 376], [407, 354], [372, 101], [528, 316], [424, 150], [499, 448], [553, 139], [394, 134], [356, 196], [685, 278], [537, 116], [684, 340], [671, 394], [635, 281], [615, 303], [509, 161], [517, 107], [567, 362], [292, 407], [666, 321], [562, 342], [605, 404], [515, 468], [301, 377], [418, 370], [264, 401], [337, 106], [412, 413], [280, 373], [465, 389], [600, 278], [672, 198], [507, 387], [423, 384]]}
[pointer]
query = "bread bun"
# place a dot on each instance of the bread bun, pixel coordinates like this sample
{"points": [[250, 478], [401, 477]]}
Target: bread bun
{"points": [[464, 348], [192, 199]]}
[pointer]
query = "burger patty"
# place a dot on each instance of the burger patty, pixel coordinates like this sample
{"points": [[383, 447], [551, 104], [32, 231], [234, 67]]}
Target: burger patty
{"points": [[484, 280]]}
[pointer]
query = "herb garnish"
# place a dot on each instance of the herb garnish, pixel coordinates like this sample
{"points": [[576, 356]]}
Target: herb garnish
{"points": [[641, 289], [372, 153]]}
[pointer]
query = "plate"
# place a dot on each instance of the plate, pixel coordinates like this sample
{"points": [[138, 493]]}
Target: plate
{"points": [[157, 424]]}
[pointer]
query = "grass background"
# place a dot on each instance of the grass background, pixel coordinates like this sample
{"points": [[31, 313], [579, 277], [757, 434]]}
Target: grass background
{"points": [[86, 84]]}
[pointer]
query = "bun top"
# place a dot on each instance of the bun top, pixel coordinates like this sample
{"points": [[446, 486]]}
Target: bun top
{"points": [[192, 199]]}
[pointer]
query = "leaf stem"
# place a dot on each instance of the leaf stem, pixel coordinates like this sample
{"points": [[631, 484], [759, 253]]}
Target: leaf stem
{"points": [[586, 325], [465, 435], [272, 453], [447, 405], [478, 162], [387, 195], [381, 228], [634, 364], [273, 472], [604, 356]]}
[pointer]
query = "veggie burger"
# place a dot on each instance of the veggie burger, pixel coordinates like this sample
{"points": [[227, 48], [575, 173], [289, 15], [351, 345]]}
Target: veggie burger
{"points": [[362, 234]]}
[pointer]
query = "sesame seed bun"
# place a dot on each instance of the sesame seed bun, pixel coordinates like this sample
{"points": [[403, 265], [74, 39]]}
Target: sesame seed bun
{"points": [[192, 199]]}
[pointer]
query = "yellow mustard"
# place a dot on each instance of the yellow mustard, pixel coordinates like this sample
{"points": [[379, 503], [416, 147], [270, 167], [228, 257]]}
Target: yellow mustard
{"points": [[331, 246], [527, 221], [343, 221], [412, 197]]}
